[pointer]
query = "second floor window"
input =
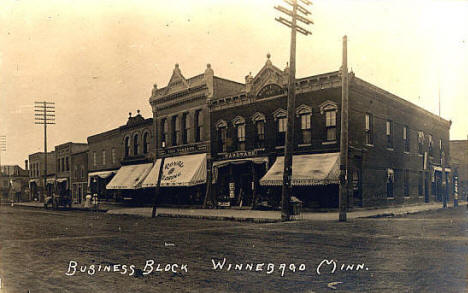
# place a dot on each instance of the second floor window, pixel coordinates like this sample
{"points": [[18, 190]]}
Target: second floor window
{"points": [[113, 155], [185, 128], [198, 119], [145, 143], [82, 172], [95, 158], [420, 142], [67, 162], [330, 124], [305, 128], [164, 131], [406, 139], [175, 129], [369, 128], [281, 134], [389, 133], [241, 137], [103, 157], [127, 146], [222, 139], [136, 145], [260, 137]]}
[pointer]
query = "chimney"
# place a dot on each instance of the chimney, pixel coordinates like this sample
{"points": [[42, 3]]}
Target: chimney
{"points": [[26, 165]]}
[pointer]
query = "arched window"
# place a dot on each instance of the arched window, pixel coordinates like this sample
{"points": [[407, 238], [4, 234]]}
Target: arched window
{"points": [[280, 116], [239, 123], [221, 128], [127, 146], [259, 121], [329, 108], [135, 145], [304, 112], [145, 142]]}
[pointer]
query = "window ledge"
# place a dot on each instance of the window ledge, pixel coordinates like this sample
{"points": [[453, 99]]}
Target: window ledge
{"points": [[304, 144], [406, 152], [279, 147], [369, 145], [259, 149], [407, 197], [390, 149], [329, 142], [390, 198], [420, 155]]}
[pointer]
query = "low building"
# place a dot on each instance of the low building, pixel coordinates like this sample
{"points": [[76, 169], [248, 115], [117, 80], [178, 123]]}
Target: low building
{"points": [[79, 175], [14, 183], [63, 173], [459, 165], [36, 173], [119, 159]]}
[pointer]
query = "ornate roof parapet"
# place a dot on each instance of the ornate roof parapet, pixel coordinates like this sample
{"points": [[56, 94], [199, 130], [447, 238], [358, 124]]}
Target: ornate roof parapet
{"points": [[209, 74], [248, 82]]}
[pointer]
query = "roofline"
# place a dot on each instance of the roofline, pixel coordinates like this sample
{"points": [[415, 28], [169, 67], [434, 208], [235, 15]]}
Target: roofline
{"points": [[225, 79], [399, 99]]}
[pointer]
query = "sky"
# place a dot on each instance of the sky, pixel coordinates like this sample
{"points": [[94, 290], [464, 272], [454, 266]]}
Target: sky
{"points": [[98, 60]]}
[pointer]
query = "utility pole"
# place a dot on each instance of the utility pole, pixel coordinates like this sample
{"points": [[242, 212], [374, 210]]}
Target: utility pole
{"points": [[343, 193], [289, 143], [44, 115], [2, 149], [160, 174]]}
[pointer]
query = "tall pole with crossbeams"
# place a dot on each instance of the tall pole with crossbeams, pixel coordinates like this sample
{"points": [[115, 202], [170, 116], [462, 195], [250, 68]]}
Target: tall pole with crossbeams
{"points": [[296, 16], [44, 115]]}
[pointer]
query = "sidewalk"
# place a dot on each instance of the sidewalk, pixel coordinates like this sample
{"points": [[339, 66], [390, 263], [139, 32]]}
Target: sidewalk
{"points": [[257, 216], [274, 216]]}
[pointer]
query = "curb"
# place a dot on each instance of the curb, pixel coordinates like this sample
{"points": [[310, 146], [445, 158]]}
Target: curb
{"points": [[221, 218]]}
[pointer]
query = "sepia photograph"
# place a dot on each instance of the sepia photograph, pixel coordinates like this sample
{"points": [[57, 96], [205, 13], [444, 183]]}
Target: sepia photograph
{"points": [[233, 146]]}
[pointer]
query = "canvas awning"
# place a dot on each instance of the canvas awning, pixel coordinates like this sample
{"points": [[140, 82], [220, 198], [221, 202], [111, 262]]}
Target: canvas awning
{"points": [[60, 180], [220, 164], [129, 177], [186, 170], [102, 174], [313, 169], [50, 180], [36, 180]]}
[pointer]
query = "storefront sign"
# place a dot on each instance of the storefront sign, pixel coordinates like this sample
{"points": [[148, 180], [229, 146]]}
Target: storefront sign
{"points": [[238, 155], [184, 149], [232, 188], [173, 170]]}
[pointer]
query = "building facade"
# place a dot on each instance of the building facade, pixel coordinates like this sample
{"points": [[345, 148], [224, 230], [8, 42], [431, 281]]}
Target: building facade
{"points": [[79, 175], [14, 183], [64, 169], [459, 164], [36, 173], [182, 124], [116, 156], [396, 154]]}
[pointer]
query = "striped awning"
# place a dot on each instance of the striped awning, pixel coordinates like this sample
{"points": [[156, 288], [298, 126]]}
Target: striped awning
{"points": [[313, 169], [130, 177], [186, 170]]}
